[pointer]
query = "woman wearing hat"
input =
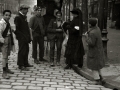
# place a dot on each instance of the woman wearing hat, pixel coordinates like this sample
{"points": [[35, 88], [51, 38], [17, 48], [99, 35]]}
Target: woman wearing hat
{"points": [[95, 56], [74, 49]]}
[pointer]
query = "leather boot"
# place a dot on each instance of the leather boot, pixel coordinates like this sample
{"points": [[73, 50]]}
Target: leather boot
{"points": [[5, 75], [36, 61], [8, 70]]}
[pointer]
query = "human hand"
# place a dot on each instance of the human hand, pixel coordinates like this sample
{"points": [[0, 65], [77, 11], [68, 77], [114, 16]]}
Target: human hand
{"points": [[76, 27], [2, 40]]}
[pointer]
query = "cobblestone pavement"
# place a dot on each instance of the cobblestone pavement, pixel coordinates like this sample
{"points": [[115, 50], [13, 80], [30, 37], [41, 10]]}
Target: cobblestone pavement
{"points": [[44, 77]]}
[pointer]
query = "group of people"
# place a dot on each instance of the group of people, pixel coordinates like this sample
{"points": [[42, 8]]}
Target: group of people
{"points": [[56, 31]]}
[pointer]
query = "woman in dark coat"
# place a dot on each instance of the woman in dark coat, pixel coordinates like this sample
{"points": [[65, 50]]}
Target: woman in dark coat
{"points": [[95, 55], [74, 49]]}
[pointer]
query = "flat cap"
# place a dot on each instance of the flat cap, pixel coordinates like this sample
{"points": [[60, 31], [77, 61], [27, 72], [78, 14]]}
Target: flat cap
{"points": [[36, 7], [93, 21], [23, 7]]}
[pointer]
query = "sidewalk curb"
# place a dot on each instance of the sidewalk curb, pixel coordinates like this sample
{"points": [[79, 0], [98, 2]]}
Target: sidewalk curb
{"points": [[88, 74]]}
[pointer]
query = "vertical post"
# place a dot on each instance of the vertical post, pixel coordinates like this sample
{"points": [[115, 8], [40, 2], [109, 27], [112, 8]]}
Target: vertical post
{"points": [[102, 23], [69, 11]]}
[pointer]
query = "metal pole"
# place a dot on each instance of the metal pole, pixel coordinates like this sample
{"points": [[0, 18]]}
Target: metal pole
{"points": [[69, 12]]}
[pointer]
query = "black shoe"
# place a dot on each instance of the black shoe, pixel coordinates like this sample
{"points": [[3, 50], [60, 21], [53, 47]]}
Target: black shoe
{"points": [[28, 65], [23, 68], [67, 67], [41, 59], [52, 64], [9, 71], [36, 61]]}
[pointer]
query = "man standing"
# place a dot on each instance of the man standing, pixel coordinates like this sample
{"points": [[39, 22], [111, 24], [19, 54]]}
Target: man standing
{"points": [[37, 26], [23, 36], [55, 36]]}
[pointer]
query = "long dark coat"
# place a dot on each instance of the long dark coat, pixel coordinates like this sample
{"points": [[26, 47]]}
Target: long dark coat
{"points": [[74, 48], [95, 56]]}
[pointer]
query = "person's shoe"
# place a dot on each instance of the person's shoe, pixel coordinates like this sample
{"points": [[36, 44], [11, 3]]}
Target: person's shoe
{"points": [[36, 61], [28, 65], [9, 71], [67, 67], [58, 63], [52, 64], [96, 82], [42, 59], [23, 68], [5, 75]]}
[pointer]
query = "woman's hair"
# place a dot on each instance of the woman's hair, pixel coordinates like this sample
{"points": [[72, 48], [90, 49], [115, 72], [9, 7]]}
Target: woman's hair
{"points": [[58, 12], [7, 11]]}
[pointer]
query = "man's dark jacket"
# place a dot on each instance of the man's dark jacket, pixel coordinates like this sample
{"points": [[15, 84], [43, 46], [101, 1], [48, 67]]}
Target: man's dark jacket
{"points": [[35, 22], [22, 29], [51, 31]]}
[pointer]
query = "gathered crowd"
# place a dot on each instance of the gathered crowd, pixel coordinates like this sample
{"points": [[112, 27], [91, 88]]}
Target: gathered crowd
{"points": [[58, 33]]}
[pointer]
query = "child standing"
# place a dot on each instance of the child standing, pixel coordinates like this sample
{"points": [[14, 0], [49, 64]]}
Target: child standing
{"points": [[6, 38]]}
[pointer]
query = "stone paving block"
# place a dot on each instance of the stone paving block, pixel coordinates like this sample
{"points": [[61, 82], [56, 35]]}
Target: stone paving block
{"points": [[20, 87], [34, 88], [68, 81], [40, 79], [92, 88], [2, 86], [49, 88], [80, 82], [84, 85], [106, 89], [43, 85], [23, 81], [51, 83], [7, 80], [29, 78], [74, 84], [56, 80], [64, 83], [37, 82], [29, 84], [84, 88], [58, 86], [16, 83], [63, 89], [16, 78]]}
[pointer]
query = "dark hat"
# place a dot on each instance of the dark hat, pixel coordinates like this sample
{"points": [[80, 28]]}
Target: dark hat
{"points": [[23, 7], [75, 11], [93, 21], [36, 7]]}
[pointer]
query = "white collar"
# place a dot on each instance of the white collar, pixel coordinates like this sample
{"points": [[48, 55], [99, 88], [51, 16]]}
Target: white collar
{"points": [[3, 21], [21, 13]]}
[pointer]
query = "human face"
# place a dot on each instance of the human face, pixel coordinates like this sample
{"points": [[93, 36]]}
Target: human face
{"points": [[58, 16], [25, 11], [38, 12], [7, 16]]}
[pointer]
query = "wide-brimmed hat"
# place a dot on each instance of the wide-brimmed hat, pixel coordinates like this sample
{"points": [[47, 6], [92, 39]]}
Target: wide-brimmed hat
{"points": [[24, 7], [75, 11]]}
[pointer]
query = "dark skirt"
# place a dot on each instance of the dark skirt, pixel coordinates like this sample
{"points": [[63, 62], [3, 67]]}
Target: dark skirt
{"points": [[74, 51]]}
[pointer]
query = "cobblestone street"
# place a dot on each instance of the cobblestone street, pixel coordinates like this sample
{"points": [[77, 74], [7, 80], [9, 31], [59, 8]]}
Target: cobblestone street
{"points": [[44, 77]]}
